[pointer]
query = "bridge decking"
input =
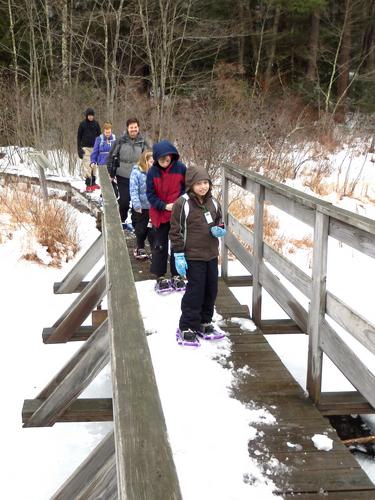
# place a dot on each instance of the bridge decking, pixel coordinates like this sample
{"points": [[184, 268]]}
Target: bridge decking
{"points": [[309, 473]]}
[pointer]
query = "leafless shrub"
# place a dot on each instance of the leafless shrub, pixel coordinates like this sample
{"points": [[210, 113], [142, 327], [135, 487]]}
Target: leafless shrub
{"points": [[53, 224]]}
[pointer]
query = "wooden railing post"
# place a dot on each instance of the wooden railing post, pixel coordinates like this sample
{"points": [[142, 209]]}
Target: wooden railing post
{"points": [[317, 305], [224, 206], [256, 311]]}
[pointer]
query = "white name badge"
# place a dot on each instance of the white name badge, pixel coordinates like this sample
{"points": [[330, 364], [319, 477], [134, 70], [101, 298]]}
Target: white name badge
{"points": [[208, 217]]}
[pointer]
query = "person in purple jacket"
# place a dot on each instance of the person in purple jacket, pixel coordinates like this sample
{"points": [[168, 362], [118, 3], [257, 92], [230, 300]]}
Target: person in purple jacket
{"points": [[99, 155]]}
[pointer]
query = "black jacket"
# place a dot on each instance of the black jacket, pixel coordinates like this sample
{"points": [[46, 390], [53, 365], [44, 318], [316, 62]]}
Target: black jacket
{"points": [[88, 131]]}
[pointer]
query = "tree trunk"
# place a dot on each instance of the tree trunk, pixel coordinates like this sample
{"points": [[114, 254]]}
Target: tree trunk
{"points": [[64, 43], [49, 36], [114, 68], [15, 65], [312, 72], [344, 62], [271, 53]]}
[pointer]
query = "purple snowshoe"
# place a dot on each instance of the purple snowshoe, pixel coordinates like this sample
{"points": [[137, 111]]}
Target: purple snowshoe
{"points": [[187, 338], [163, 286], [207, 331]]}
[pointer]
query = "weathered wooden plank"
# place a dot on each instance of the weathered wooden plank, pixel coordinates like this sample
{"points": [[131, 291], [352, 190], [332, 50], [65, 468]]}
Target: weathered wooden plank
{"points": [[88, 260], [259, 347], [256, 310], [289, 270], [145, 467], [324, 480], [239, 251], [355, 237], [283, 297], [245, 338], [271, 283], [78, 289], [303, 202], [317, 306], [43, 184], [82, 333], [344, 403], [82, 306], [88, 470], [72, 379], [235, 281], [282, 436], [351, 321], [224, 207], [70, 190], [292, 205], [239, 311], [104, 485], [81, 410], [348, 362], [316, 460], [333, 495], [276, 326]]}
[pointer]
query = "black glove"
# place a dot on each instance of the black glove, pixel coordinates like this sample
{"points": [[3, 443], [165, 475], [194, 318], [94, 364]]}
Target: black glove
{"points": [[81, 153]]}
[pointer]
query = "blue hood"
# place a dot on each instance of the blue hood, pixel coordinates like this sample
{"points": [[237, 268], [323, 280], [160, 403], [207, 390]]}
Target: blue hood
{"points": [[164, 148]]}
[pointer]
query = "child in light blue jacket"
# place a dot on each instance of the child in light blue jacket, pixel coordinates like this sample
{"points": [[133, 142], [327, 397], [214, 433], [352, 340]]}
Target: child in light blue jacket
{"points": [[140, 204]]}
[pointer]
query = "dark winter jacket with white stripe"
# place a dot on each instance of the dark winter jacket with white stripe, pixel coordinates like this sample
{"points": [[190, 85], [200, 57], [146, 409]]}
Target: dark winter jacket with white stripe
{"points": [[190, 232], [138, 188]]}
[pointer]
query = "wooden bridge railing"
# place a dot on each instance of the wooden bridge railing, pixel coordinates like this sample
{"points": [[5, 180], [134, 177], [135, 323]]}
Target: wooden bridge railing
{"points": [[328, 221], [135, 461]]}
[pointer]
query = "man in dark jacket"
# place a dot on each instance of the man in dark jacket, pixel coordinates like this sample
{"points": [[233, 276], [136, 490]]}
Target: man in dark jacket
{"points": [[88, 131], [124, 153]]}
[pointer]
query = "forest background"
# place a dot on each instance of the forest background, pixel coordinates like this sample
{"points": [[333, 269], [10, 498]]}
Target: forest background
{"points": [[233, 80]]}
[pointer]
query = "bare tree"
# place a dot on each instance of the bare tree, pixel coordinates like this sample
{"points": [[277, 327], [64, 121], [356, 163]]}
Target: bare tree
{"points": [[312, 70]]}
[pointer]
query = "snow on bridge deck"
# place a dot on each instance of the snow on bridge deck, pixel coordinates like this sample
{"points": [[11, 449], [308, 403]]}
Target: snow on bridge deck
{"points": [[281, 446]]}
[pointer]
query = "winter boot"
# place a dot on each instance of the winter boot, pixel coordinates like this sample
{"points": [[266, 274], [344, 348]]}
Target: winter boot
{"points": [[93, 183], [208, 331], [163, 285], [89, 188], [140, 254], [187, 337], [178, 284]]}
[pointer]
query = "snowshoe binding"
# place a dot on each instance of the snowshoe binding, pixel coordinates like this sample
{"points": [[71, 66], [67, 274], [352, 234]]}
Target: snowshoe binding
{"points": [[140, 254], [163, 285], [207, 331], [178, 284], [187, 338]]}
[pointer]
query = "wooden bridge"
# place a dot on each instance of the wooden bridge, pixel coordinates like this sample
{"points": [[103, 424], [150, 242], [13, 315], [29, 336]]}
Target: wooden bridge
{"points": [[135, 461]]}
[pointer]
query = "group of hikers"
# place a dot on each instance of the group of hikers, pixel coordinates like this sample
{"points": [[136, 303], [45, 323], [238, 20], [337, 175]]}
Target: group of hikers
{"points": [[172, 207]]}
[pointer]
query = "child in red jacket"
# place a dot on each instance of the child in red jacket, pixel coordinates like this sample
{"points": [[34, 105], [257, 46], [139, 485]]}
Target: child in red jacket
{"points": [[165, 183]]}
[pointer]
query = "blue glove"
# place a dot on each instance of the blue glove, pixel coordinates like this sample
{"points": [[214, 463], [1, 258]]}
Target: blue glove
{"points": [[181, 264], [218, 231]]}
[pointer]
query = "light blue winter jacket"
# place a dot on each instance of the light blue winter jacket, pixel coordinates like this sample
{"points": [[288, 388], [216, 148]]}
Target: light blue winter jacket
{"points": [[138, 188]]}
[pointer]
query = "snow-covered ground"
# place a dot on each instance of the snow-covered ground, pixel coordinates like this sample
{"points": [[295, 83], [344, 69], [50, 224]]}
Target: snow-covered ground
{"points": [[197, 407]]}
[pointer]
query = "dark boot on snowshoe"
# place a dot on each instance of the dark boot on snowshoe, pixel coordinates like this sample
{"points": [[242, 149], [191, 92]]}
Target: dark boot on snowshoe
{"points": [[208, 331], [187, 337], [178, 284], [163, 285]]}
